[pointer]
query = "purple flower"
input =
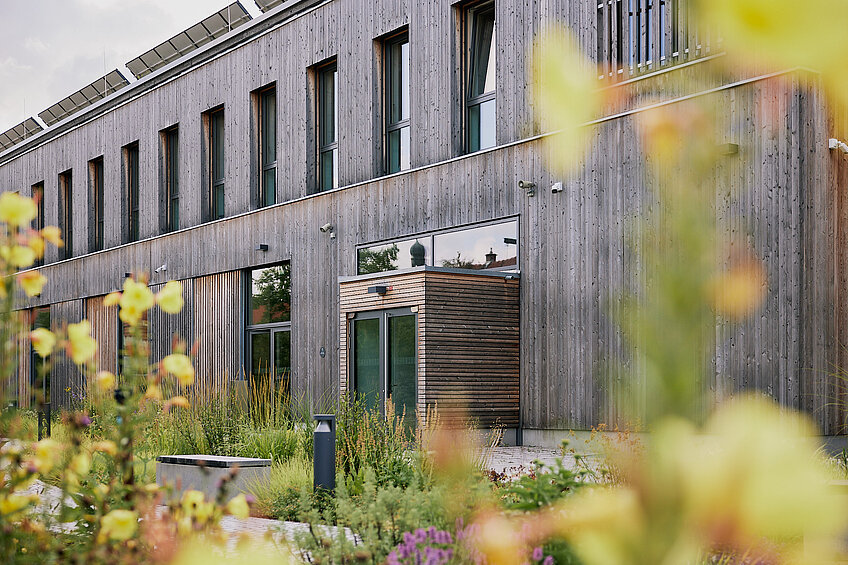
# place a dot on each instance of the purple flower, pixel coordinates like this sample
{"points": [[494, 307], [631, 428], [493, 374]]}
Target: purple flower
{"points": [[538, 554], [549, 560]]}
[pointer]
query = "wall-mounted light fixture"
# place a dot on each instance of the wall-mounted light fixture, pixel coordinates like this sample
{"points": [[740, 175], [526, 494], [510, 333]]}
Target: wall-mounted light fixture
{"points": [[834, 143], [262, 247], [728, 148], [379, 289], [164, 267], [529, 187], [328, 228]]}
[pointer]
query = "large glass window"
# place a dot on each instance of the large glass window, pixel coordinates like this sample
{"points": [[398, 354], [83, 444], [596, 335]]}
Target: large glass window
{"points": [[66, 220], [397, 103], [96, 219], [131, 192], [396, 255], [171, 196], [328, 145], [216, 163], [268, 146], [490, 246], [481, 74], [269, 337]]}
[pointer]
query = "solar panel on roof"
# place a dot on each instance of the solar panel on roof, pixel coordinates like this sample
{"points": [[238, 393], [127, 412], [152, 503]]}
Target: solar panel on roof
{"points": [[186, 41], [266, 5], [20, 132], [97, 90]]}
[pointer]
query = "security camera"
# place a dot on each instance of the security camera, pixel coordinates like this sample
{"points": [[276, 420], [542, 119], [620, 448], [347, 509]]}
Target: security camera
{"points": [[326, 227], [556, 187], [525, 184]]}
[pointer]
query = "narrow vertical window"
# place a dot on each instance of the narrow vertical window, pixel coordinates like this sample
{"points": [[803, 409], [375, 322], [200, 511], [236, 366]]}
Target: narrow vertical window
{"points": [[171, 196], [328, 145], [95, 211], [65, 214], [481, 50], [216, 163], [267, 147], [131, 221], [397, 102], [38, 221]]}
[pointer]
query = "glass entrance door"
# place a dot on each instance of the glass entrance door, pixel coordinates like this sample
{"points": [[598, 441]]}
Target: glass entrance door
{"points": [[270, 366], [384, 360]]}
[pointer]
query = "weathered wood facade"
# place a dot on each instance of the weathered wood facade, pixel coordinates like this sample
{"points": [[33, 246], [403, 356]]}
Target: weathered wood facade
{"points": [[783, 190]]}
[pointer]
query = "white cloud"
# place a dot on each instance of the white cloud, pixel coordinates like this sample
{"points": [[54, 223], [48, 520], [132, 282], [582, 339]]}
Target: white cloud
{"points": [[51, 48]]}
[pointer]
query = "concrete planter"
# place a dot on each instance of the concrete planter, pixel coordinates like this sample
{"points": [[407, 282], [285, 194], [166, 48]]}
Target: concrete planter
{"points": [[207, 473]]}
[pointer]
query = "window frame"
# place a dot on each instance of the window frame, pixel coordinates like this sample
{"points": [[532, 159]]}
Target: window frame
{"points": [[470, 46], [270, 327], [97, 223], [331, 147], [399, 38], [266, 146], [430, 237], [132, 210], [37, 194], [66, 218], [215, 116], [171, 178]]}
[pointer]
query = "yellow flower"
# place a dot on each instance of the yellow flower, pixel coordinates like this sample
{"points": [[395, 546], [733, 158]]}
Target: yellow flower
{"points": [[18, 255], [740, 290], [119, 525], [32, 282], [13, 503], [46, 455], [238, 506], [52, 234], [194, 505], [17, 210], [153, 393], [112, 299], [80, 464], [83, 346], [36, 243], [106, 446], [180, 366], [135, 301], [179, 401], [43, 341], [778, 33], [170, 298], [105, 380], [566, 95]]}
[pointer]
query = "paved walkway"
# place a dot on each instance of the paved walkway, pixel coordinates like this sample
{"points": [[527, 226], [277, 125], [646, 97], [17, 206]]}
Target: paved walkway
{"points": [[506, 460]]}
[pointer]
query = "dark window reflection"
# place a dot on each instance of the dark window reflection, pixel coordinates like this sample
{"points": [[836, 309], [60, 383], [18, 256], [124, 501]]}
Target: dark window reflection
{"points": [[270, 299], [393, 256], [487, 247]]}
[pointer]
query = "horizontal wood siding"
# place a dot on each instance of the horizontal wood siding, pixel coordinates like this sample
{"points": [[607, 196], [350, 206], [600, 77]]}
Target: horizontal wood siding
{"points": [[468, 333], [470, 348]]}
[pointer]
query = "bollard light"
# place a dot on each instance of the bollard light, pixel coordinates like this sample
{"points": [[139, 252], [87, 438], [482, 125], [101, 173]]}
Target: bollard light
{"points": [[324, 452]]}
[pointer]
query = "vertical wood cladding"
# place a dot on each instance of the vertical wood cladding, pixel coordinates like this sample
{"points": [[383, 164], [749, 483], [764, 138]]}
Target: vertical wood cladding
{"points": [[778, 194], [67, 383], [468, 330]]}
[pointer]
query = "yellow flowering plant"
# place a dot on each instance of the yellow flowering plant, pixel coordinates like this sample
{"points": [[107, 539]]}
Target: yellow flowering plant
{"points": [[107, 511]]}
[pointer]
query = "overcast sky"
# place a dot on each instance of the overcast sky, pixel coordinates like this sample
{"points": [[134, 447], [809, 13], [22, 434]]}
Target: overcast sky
{"points": [[52, 48]]}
